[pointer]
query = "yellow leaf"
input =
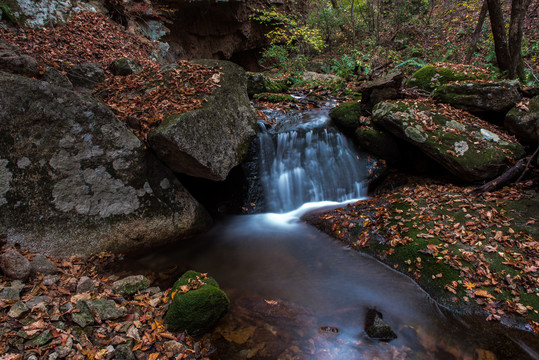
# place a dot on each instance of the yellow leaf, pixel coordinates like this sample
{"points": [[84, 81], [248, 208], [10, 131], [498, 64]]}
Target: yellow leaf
{"points": [[153, 356]]}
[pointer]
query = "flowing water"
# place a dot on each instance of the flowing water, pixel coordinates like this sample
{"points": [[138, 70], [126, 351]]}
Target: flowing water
{"points": [[297, 293]]}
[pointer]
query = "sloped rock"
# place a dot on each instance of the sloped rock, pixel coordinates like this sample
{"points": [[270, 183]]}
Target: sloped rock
{"points": [[429, 77], [55, 77], [480, 97], [210, 141], [375, 91], [196, 310], [12, 61], [42, 265], [378, 142], [86, 76], [14, 265], [75, 181], [525, 123], [461, 143]]}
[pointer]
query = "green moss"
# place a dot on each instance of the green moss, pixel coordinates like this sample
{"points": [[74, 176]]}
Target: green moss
{"points": [[430, 77], [198, 310], [190, 276], [274, 98], [347, 115], [378, 142]]}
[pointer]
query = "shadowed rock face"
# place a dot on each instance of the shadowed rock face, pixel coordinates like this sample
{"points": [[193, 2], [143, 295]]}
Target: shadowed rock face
{"points": [[74, 180], [221, 29]]}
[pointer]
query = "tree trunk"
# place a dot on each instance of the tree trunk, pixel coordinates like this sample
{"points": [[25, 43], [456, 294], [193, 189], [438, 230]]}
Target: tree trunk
{"points": [[477, 32], [498, 33], [518, 13]]}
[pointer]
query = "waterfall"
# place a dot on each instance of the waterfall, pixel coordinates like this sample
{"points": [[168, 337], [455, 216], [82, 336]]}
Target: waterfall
{"points": [[304, 159]]}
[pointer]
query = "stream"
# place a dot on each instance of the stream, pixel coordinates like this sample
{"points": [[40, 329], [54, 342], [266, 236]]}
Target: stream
{"points": [[297, 293]]}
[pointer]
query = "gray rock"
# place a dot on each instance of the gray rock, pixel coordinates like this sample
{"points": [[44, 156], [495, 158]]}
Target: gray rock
{"points": [[55, 77], [84, 316], [17, 310], [12, 61], [38, 302], [467, 150], [480, 97], [124, 352], [130, 285], [377, 328], [125, 66], [14, 265], [173, 347], [85, 284], [375, 91], [42, 265], [12, 292], [50, 280], [106, 309], [86, 76], [75, 181], [42, 339], [64, 350], [210, 141], [525, 123]]}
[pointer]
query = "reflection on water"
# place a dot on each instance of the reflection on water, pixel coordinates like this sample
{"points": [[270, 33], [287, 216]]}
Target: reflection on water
{"points": [[286, 276]]}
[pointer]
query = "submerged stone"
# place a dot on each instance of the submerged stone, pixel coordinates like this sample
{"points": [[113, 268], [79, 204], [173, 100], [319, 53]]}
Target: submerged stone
{"points": [[377, 328]]}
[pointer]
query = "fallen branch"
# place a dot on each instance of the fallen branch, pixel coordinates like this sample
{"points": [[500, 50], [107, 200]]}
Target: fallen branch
{"points": [[504, 179]]}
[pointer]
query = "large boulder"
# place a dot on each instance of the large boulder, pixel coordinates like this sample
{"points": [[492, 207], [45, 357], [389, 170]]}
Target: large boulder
{"points": [[13, 61], [470, 148], [197, 303], [210, 141], [429, 77], [523, 121], [258, 83], [346, 116], [480, 96], [375, 91], [74, 180]]}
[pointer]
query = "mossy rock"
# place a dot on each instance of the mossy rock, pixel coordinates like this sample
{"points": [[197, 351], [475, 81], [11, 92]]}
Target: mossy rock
{"points": [[378, 142], [259, 83], [525, 123], [274, 98], [429, 77], [346, 116], [196, 311], [466, 148], [192, 275]]}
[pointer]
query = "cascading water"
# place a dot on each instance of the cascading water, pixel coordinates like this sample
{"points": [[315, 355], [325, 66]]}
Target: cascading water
{"points": [[308, 162]]}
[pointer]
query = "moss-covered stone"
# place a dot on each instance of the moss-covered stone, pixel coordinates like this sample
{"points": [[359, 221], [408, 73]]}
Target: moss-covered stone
{"points": [[259, 83], [346, 116], [524, 123], [468, 149], [479, 96], [429, 77], [196, 310], [378, 142], [274, 98]]}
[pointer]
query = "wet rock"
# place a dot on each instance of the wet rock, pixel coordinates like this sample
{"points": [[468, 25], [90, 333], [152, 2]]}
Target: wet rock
{"points": [[197, 310], [480, 97], [12, 61], [17, 310], [380, 143], [12, 292], [467, 148], [42, 265], [375, 91], [14, 265], [55, 77], [377, 328], [86, 76], [346, 116], [77, 182], [259, 83], [130, 285], [524, 123], [85, 284], [125, 66], [210, 141], [429, 77]]}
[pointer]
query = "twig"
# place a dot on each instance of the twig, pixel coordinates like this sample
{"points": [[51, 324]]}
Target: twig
{"points": [[531, 70], [528, 164]]}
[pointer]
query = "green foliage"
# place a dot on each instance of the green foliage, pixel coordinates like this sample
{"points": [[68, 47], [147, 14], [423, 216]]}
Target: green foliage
{"points": [[5, 12]]}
